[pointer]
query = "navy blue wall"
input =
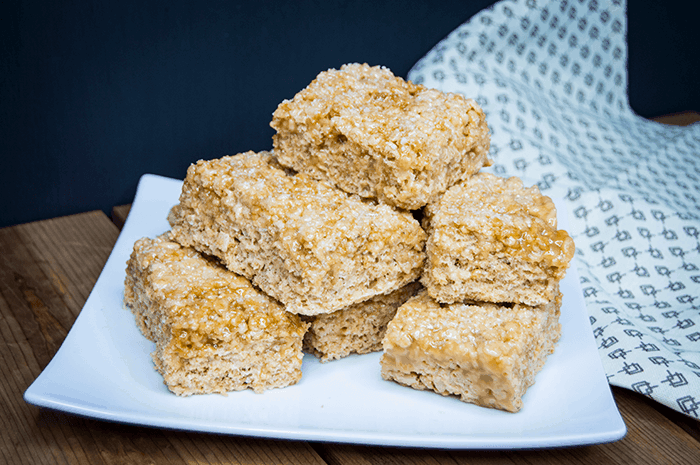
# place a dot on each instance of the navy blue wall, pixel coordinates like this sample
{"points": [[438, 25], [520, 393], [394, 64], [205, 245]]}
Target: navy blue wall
{"points": [[94, 94]]}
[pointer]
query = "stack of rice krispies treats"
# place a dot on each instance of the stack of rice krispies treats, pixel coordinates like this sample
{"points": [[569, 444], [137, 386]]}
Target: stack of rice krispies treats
{"points": [[322, 226], [489, 315]]}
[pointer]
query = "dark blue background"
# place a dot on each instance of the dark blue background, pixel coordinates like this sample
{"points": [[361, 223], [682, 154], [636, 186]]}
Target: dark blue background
{"points": [[94, 94]]}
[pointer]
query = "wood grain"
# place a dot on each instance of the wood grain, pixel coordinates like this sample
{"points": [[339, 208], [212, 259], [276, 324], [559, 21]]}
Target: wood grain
{"points": [[683, 118]]}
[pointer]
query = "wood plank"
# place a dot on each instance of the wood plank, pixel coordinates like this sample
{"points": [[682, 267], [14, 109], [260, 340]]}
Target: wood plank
{"points": [[46, 273], [683, 118], [347, 454]]}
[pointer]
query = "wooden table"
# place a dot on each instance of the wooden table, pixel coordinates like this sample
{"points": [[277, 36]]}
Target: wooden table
{"points": [[47, 269]]}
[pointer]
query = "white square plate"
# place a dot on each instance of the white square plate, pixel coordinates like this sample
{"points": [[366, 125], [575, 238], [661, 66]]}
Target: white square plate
{"points": [[104, 370]]}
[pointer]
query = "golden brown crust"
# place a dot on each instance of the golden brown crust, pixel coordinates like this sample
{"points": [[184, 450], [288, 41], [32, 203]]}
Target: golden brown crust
{"points": [[486, 354], [310, 246], [373, 134], [491, 239], [214, 332]]}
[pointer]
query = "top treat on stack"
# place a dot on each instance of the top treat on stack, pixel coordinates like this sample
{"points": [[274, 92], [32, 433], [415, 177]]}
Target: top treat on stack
{"points": [[314, 248], [371, 133]]}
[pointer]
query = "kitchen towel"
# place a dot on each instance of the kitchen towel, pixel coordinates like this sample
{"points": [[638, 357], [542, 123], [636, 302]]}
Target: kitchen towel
{"points": [[551, 78]]}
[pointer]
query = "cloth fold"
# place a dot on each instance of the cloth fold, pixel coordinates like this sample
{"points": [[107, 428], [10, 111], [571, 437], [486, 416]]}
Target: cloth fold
{"points": [[551, 77]]}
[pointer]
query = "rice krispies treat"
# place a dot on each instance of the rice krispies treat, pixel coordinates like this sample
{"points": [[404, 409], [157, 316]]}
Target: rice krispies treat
{"points": [[214, 332], [312, 247], [486, 354], [373, 134], [490, 239], [356, 329]]}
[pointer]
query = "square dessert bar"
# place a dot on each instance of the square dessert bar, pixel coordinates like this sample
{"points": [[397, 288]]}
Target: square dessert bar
{"points": [[490, 239], [376, 135], [484, 353], [358, 328], [214, 332], [314, 248]]}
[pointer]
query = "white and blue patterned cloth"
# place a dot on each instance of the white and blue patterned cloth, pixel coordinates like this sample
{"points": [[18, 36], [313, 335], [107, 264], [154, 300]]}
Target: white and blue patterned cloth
{"points": [[551, 77]]}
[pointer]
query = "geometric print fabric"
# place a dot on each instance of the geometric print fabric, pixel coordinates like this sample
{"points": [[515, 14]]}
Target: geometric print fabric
{"points": [[551, 77]]}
